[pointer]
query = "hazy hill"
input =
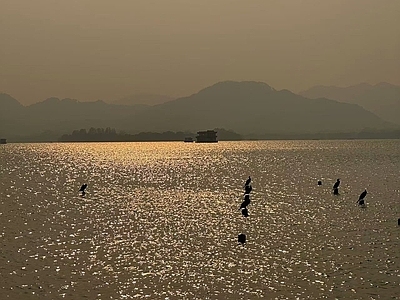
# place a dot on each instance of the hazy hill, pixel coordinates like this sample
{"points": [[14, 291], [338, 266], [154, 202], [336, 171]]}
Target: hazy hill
{"points": [[9, 106], [147, 99], [60, 116], [71, 109], [255, 108], [11, 118], [383, 99]]}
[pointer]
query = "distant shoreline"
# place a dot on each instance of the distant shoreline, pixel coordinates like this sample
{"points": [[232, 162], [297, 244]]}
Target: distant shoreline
{"points": [[152, 141], [97, 135]]}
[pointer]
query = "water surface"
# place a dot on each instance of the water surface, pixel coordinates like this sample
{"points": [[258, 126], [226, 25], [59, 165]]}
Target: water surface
{"points": [[161, 220]]}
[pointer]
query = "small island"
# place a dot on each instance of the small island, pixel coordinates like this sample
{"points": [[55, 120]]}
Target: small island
{"points": [[111, 135]]}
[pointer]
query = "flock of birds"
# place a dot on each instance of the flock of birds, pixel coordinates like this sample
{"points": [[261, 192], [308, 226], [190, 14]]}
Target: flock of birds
{"points": [[247, 190], [335, 189], [246, 202], [243, 207]]}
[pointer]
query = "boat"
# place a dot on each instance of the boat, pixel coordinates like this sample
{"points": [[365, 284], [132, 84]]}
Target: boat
{"points": [[3, 141], [207, 136]]}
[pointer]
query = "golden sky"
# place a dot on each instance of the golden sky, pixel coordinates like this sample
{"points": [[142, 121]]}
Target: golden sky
{"points": [[103, 49]]}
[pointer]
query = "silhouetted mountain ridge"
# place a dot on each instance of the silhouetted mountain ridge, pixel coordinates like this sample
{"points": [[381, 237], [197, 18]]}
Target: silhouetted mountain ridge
{"points": [[63, 115], [254, 107], [11, 115], [9, 105], [383, 98], [247, 108]]}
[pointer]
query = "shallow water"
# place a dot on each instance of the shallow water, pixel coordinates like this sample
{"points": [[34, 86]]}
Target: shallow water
{"points": [[161, 220]]}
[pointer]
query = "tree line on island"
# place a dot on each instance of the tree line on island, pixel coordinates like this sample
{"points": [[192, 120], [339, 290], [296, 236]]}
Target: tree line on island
{"points": [[111, 135]]}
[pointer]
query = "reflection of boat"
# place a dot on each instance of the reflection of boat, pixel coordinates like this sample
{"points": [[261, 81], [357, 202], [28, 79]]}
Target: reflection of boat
{"points": [[209, 136], [188, 140], [3, 141]]}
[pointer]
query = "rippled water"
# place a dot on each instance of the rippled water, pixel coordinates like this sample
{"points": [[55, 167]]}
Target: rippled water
{"points": [[161, 220]]}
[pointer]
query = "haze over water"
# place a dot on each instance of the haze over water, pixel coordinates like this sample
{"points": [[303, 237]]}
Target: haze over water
{"points": [[161, 220]]}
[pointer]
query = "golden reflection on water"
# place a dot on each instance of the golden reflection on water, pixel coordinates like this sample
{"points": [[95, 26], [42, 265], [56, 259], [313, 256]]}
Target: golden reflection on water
{"points": [[160, 220]]}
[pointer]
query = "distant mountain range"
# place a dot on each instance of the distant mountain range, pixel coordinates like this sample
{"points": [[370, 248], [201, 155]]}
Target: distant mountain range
{"points": [[383, 99], [59, 116], [248, 108], [255, 108]]}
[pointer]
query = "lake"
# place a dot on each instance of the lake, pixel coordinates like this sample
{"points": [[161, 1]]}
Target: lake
{"points": [[160, 220]]}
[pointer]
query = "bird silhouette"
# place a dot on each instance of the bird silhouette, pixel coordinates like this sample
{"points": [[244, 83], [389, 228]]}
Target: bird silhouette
{"points": [[245, 212], [363, 194], [248, 189], [336, 187], [242, 238], [245, 202], [248, 181], [82, 189], [360, 200], [337, 183]]}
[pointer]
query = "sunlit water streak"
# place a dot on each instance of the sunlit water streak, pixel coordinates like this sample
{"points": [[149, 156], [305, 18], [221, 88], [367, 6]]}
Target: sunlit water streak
{"points": [[160, 220]]}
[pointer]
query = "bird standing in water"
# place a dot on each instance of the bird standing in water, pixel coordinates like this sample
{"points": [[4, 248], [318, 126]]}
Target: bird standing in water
{"points": [[360, 200], [337, 183], [246, 202], [247, 181], [245, 212], [82, 189], [336, 187], [242, 238], [248, 189]]}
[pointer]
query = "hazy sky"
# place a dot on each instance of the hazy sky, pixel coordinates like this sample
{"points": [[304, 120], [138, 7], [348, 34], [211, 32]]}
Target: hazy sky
{"points": [[103, 49]]}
